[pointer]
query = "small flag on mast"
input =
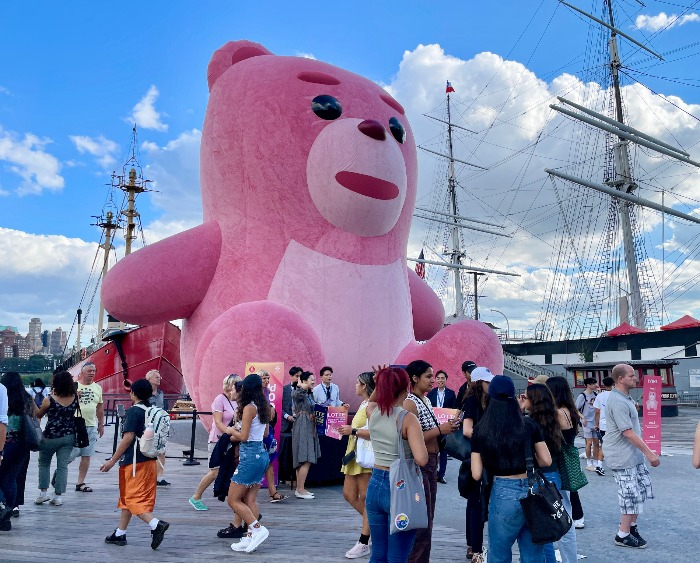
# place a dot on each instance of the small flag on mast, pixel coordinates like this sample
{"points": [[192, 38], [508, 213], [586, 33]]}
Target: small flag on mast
{"points": [[449, 88], [420, 266]]}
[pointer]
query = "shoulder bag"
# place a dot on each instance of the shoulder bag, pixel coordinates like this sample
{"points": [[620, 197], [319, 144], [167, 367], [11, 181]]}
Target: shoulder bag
{"points": [[364, 454], [545, 515], [569, 467], [31, 433], [81, 434], [458, 446], [408, 508]]}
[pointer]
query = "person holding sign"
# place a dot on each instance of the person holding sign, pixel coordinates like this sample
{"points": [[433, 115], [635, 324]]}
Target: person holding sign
{"points": [[625, 452], [442, 397], [306, 448], [357, 477]]}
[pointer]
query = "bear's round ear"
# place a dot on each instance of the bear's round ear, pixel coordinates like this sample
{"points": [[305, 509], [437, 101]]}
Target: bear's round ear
{"points": [[230, 54]]}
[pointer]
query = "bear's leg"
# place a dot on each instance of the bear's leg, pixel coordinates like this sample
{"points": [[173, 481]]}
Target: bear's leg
{"points": [[259, 331], [465, 340]]}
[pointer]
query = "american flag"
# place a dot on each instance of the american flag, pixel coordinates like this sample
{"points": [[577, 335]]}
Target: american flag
{"points": [[449, 88], [420, 266]]}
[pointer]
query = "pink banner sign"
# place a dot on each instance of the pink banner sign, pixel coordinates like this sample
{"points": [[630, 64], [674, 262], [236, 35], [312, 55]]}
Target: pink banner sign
{"points": [[445, 415], [651, 399], [273, 392], [336, 417]]}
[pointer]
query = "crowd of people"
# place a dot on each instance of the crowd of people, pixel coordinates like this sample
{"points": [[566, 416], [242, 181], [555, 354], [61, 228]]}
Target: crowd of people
{"points": [[504, 430]]}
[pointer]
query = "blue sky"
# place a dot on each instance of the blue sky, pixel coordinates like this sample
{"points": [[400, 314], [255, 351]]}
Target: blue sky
{"points": [[72, 74]]}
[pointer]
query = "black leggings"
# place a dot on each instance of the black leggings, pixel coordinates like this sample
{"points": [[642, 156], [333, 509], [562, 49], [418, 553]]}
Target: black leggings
{"points": [[475, 522], [576, 508]]}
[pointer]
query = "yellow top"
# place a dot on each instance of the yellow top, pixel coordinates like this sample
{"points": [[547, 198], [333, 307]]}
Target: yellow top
{"points": [[358, 421]]}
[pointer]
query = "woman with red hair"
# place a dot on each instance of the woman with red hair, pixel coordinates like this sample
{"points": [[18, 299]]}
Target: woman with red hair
{"points": [[390, 392]]}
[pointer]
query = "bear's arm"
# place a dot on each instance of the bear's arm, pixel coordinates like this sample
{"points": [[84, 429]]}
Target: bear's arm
{"points": [[428, 312], [166, 280]]}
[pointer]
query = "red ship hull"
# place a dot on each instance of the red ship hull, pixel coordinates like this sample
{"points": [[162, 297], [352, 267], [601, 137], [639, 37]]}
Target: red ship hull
{"points": [[142, 349]]}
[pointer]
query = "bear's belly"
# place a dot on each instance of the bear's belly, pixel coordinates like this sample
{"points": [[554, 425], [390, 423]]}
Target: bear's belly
{"points": [[361, 313]]}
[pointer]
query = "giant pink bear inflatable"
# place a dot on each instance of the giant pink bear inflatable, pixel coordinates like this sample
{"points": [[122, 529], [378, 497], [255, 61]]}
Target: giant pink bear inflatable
{"points": [[308, 181]]}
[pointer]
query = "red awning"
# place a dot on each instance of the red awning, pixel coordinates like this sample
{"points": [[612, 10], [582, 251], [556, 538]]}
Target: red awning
{"points": [[686, 321], [625, 328]]}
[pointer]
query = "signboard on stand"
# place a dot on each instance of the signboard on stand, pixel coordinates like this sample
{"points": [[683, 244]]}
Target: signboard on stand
{"points": [[651, 400]]}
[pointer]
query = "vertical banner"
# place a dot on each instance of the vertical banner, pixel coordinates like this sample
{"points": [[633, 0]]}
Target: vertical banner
{"points": [[276, 370], [651, 399]]}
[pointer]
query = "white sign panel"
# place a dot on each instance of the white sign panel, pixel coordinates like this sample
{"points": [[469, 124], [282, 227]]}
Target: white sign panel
{"points": [[694, 377]]}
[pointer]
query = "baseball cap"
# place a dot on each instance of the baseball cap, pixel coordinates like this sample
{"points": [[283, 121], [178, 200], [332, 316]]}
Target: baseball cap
{"points": [[542, 378], [468, 366], [502, 388], [482, 374]]}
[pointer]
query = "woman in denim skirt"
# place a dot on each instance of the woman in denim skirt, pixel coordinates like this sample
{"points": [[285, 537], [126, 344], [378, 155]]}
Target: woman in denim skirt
{"points": [[498, 445], [253, 414]]}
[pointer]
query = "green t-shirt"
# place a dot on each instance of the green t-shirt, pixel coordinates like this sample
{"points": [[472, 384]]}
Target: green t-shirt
{"points": [[90, 397]]}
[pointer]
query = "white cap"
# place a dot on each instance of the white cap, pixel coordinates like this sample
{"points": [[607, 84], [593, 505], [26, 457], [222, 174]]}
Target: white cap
{"points": [[482, 374]]}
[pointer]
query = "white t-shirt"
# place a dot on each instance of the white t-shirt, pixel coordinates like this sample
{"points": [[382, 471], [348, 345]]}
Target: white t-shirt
{"points": [[600, 401]]}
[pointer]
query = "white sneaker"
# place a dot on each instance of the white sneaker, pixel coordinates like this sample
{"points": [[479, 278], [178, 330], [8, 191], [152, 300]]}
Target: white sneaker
{"points": [[578, 524], [358, 550], [258, 536], [241, 545], [590, 467], [57, 501], [42, 498]]}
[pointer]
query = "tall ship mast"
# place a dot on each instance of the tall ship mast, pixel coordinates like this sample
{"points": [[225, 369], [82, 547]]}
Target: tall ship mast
{"points": [[619, 180], [451, 223], [124, 353]]}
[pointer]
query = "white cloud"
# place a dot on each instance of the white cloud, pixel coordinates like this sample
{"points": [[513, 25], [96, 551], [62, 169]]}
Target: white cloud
{"points": [[663, 21], [174, 169], [5, 91], [102, 149], [27, 158], [509, 106], [305, 55], [145, 115]]}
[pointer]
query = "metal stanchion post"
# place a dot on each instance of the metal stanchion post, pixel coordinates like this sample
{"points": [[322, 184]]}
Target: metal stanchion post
{"points": [[191, 460], [120, 414]]}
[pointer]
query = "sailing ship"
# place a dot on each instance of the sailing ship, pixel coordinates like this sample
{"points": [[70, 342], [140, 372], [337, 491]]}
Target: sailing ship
{"points": [[122, 353], [598, 285]]}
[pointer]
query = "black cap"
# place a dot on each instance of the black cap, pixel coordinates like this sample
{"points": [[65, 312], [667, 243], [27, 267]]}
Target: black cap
{"points": [[468, 366]]}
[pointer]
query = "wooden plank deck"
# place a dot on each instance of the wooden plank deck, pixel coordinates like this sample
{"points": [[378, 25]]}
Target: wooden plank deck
{"points": [[318, 530]]}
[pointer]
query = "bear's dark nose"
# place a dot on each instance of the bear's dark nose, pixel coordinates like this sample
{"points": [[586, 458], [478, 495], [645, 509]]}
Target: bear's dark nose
{"points": [[373, 129]]}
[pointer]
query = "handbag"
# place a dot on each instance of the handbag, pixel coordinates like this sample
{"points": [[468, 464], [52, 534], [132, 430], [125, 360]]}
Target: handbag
{"points": [[364, 453], [81, 434], [31, 433], [569, 466], [408, 508], [458, 446], [543, 508]]}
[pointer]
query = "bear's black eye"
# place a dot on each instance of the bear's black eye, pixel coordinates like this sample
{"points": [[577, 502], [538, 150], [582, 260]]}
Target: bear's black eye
{"points": [[326, 107], [397, 130]]}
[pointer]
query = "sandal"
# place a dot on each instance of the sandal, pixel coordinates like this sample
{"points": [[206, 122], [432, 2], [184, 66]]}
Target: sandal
{"points": [[277, 497], [83, 488]]}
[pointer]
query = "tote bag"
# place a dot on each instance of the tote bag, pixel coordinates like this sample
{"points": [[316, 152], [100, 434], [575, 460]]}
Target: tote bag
{"points": [[458, 446], [81, 434], [408, 510], [31, 433], [364, 454], [569, 466], [543, 508]]}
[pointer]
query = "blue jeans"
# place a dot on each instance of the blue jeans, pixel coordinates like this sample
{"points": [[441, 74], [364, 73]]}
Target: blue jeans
{"points": [[62, 447], [13, 461], [567, 544], [386, 547], [507, 523]]}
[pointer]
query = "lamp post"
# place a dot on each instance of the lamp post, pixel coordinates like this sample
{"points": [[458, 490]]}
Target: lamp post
{"points": [[507, 323]]}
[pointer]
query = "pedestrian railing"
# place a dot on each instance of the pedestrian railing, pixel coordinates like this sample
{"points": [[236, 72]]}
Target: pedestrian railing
{"points": [[691, 399]]}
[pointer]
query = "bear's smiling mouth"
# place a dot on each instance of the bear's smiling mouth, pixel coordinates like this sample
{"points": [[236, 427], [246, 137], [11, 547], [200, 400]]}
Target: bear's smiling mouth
{"points": [[367, 185]]}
